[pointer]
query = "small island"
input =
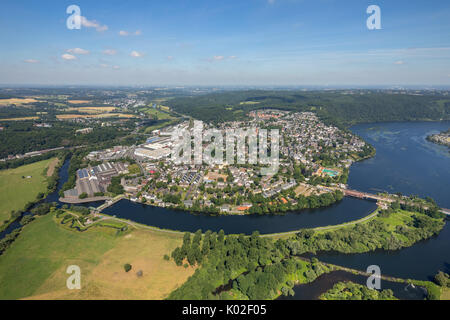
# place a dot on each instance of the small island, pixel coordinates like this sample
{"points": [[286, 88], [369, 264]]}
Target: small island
{"points": [[442, 138]]}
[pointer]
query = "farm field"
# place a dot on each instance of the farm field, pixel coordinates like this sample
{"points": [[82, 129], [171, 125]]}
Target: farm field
{"points": [[20, 119], [16, 101], [78, 101], [102, 115], [91, 110], [44, 250], [16, 192]]}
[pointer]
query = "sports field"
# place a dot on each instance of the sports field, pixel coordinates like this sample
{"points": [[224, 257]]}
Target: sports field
{"points": [[20, 186]]}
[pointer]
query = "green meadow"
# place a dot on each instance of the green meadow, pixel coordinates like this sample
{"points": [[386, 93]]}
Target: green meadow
{"points": [[16, 190], [43, 248]]}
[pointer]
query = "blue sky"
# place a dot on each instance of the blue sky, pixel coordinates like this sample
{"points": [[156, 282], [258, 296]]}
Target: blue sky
{"points": [[245, 42]]}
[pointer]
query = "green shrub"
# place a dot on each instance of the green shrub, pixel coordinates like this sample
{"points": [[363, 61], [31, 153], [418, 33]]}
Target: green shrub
{"points": [[127, 267]]}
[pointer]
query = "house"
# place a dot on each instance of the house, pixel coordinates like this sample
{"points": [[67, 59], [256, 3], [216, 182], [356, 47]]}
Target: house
{"points": [[188, 203], [225, 208], [84, 131]]}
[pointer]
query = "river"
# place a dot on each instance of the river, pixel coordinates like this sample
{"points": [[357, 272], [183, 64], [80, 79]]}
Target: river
{"points": [[405, 162]]}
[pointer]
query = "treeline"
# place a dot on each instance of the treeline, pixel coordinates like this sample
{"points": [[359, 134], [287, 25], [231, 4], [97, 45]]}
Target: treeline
{"points": [[336, 107], [12, 164], [22, 137], [263, 205], [365, 237], [353, 291]]}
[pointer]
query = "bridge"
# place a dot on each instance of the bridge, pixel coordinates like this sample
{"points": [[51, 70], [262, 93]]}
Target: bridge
{"points": [[365, 195], [109, 203]]}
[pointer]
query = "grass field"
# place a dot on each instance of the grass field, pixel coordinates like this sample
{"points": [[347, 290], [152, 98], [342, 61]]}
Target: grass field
{"points": [[156, 113], [15, 192], [34, 267]]}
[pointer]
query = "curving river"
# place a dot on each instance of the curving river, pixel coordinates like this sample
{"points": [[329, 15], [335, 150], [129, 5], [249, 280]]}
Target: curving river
{"points": [[405, 162]]}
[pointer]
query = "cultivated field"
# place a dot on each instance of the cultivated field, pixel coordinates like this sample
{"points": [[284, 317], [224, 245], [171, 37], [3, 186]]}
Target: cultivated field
{"points": [[16, 192], [16, 101], [103, 115], [78, 101], [20, 119], [34, 267], [91, 110]]}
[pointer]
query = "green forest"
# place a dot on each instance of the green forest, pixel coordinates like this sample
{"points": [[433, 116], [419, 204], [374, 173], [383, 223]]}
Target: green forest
{"points": [[255, 267], [339, 107]]}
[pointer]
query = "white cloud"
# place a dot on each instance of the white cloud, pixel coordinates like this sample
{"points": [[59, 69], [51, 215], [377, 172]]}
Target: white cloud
{"points": [[221, 58], [270, 1], [400, 62], [116, 67], [136, 54], [103, 65], [170, 58], [124, 33], [77, 51], [110, 52], [92, 24], [68, 57], [31, 61]]}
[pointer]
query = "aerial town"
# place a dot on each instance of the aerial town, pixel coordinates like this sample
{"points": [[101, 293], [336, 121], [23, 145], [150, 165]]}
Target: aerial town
{"points": [[321, 158]]}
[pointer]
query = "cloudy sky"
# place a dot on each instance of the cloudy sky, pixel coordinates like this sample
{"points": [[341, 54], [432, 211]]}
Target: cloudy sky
{"points": [[233, 42]]}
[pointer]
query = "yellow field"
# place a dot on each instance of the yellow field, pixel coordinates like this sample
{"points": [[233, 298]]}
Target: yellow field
{"points": [[249, 102], [51, 167], [92, 110], [78, 101], [103, 115], [20, 119], [106, 279], [445, 294], [5, 102]]}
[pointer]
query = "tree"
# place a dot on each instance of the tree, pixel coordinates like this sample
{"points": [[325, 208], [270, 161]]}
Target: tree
{"points": [[127, 267], [442, 279]]}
